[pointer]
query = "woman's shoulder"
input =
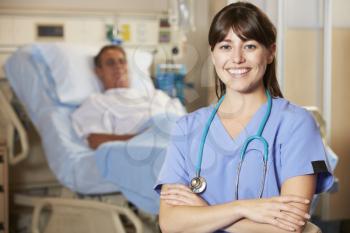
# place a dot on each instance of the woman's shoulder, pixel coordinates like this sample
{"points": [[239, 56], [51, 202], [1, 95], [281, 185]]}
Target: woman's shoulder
{"points": [[194, 119], [290, 111], [293, 117]]}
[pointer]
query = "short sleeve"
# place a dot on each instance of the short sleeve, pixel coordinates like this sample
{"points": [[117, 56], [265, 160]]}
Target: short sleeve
{"points": [[89, 118], [174, 166], [303, 152]]}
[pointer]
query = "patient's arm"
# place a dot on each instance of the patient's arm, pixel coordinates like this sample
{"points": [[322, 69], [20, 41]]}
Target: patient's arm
{"points": [[96, 139]]}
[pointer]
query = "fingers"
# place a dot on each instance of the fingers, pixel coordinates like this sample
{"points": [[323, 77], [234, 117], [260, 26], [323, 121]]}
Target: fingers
{"points": [[276, 211], [178, 190], [178, 194], [290, 198], [296, 217], [175, 199], [283, 220], [280, 223], [288, 218], [177, 186], [285, 225], [285, 204], [296, 212]]}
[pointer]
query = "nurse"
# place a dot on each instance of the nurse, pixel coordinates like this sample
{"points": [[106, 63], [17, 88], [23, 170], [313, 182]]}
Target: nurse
{"points": [[243, 43]]}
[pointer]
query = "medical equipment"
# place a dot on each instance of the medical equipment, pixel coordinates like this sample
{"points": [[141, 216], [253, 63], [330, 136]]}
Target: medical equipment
{"points": [[182, 15], [198, 183], [170, 79]]}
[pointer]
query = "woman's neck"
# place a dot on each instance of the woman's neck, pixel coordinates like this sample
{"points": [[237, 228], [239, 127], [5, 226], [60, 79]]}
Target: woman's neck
{"points": [[242, 105]]}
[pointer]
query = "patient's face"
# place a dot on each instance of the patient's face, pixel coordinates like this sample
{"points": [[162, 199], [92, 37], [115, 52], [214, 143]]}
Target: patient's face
{"points": [[113, 71]]}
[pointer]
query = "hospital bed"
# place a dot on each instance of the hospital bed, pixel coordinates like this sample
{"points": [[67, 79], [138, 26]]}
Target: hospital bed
{"points": [[51, 80]]}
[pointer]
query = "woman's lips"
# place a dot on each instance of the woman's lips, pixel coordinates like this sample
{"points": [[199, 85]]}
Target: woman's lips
{"points": [[238, 72]]}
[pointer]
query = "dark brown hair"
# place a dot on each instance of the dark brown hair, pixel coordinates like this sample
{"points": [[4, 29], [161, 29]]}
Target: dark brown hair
{"points": [[248, 22], [97, 58]]}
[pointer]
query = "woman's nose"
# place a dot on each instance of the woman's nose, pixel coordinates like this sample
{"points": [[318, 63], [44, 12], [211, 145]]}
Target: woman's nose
{"points": [[237, 56]]}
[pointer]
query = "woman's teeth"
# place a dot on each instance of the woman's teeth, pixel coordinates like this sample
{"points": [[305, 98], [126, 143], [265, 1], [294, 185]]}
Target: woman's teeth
{"points": [[239, 71]]}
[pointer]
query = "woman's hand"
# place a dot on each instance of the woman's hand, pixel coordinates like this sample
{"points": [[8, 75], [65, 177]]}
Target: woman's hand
{"points": [[178, 194], [277, 211]]}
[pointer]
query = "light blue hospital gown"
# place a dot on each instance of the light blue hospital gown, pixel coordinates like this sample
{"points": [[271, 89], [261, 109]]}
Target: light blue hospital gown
{"points": [[295, 148]]}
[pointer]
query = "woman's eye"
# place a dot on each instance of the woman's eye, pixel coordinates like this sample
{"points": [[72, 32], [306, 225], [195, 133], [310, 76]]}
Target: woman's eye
{"points": [[250, 46], [225, 47]]}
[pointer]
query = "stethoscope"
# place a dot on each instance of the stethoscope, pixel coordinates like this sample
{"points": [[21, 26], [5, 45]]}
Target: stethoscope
{"points": [[198, 183]]}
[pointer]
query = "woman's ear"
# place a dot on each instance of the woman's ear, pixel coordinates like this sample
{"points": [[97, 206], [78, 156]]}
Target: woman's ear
{"points": [[272, 53]]}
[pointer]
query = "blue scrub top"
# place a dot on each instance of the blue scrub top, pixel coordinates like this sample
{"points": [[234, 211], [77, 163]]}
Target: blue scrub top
{"points": [[295, 149]]}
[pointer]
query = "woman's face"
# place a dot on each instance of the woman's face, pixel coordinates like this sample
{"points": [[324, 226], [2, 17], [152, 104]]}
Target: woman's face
{"points": [[241, 65]]}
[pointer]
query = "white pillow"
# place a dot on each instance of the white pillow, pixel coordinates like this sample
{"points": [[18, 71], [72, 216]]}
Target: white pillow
{"points": [[139, 62], [72, 70]]}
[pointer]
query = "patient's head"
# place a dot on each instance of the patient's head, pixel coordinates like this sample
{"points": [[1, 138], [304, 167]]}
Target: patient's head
{"points": [[111, 67]]}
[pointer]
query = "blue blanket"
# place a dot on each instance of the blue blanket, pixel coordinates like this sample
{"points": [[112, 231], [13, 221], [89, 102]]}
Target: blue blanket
{"points": [[134, 165]]}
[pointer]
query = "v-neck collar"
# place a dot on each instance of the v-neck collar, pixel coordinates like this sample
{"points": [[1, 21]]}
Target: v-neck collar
{"points": [[250, 129]]}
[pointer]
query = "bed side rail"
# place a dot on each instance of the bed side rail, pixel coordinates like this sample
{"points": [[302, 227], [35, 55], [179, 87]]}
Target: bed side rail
{"points": [[86, 211], [14, 124]]}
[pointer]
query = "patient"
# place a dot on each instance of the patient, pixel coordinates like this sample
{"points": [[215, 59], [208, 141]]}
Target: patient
{"points": [[111, 67], [120, 112]]}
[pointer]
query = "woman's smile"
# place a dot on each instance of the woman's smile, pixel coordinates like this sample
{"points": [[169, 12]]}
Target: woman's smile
{"points": [[238, 72]]}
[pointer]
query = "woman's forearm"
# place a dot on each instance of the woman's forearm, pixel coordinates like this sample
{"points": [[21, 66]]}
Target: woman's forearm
{"points": [[248, 226], [197, 219], [233, 217], [303, 186], [183, 211]]}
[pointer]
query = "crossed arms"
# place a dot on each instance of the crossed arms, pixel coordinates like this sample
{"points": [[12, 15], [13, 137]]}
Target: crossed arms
{"points": [[183, 211]]}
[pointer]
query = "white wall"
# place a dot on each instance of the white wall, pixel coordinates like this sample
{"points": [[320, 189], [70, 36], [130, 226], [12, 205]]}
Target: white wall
{"points": [[306, 13], [108, 5], [341, 16]]}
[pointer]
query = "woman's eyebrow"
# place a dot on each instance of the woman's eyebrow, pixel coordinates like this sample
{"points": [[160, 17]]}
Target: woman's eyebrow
{"points": [[226, 40]]}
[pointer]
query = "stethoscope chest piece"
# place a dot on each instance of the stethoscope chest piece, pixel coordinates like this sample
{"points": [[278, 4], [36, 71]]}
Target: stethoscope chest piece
{"points": [[198, 184]]}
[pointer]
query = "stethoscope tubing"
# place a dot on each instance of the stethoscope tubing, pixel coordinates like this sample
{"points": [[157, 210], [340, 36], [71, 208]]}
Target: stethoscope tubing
{"points": [[204, 136], [257, 136]]}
